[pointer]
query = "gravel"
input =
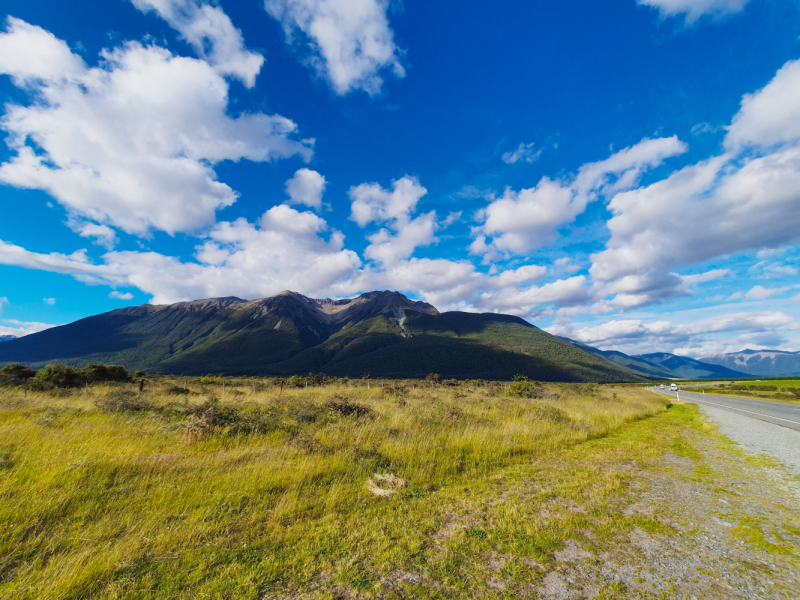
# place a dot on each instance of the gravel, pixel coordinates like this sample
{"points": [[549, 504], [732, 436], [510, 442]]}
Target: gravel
{"points": [[758, 436]]}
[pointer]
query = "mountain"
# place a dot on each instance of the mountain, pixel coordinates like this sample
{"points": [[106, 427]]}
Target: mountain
{"points": [[639, 365], [760, 363], [690, 368], [7, 338], [383, 334]]}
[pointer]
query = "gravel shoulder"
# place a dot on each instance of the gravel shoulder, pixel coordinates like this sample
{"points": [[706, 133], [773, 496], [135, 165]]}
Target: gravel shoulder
{"points": [[758, 436]]}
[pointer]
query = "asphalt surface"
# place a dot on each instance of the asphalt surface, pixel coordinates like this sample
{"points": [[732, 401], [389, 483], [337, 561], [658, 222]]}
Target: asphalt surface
{"points": [[777, 413], [759, 426]]}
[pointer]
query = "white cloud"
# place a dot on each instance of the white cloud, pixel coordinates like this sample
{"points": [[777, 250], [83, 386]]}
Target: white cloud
{"points": [[120, 296], [103, 234], [758, 292], [701, 212], [524, 152], [521, 221], [29, 53], [306, 187], [563, 292], [284, 250], [131, 143], [704, 277], [694, 9], [771, 115], [372, 203], [21, 328], [451, 218], [388, 248], [694, 337], [210, 33], [350, 40], [50, 301]]}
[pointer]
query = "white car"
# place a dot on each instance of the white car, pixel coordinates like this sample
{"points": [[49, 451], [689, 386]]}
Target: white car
{"points": [[662, 386], [673, 387]]}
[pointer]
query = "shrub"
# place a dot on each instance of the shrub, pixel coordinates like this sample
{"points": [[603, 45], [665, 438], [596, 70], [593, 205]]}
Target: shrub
{"points": [[794, 391], [213, 417], [295, 381], [433, 378], [522, 387], [346, 408], [451, 382], [94, 372], [123, 401], [15, 374], [177, 390], [60, 376]]}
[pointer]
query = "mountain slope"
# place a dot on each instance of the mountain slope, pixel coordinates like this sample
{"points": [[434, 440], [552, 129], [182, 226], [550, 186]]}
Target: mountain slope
{"points": [[690, 368], [7, 338], [760, 363], [383, 334], [637, 364]]}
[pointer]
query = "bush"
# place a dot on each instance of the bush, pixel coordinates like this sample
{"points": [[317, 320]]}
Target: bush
{"points": [[296, 381], [15, 374], [522, 387], [104, 373], [433, 378], [60, 376], [344, 407], [451, 382], [212, 417], [122, 401]]}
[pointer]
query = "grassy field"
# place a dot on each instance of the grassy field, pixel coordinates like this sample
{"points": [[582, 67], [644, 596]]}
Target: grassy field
{"points": [[327, 491], [780, 390]]}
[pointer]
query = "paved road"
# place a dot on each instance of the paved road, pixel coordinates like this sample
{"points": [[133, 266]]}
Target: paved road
{"points": [[778, 413], [759, 426]]}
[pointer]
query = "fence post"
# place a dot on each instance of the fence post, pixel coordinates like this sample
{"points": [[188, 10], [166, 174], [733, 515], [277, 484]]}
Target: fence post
{"points": [[26, 387]]}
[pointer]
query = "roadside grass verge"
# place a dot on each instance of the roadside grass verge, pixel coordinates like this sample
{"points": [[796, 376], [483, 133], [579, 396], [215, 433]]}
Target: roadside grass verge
{"points": [[787, 391], [181, 495]]}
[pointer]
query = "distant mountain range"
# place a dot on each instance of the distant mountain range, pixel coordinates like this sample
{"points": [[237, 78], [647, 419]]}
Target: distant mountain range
{"points": [[380, 334], [759, 363], [7, 338], [663, 365]]}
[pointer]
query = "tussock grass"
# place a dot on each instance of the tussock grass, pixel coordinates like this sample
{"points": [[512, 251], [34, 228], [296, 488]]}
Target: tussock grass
{"points": [[119, 494]]}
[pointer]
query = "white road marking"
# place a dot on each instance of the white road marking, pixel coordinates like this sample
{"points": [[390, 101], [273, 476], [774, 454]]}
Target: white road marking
{"points": [[749, 411]]}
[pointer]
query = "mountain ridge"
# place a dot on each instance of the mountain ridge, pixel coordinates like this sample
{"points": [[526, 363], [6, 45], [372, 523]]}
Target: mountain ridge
{"points": [[759, 363], [381, 333]]}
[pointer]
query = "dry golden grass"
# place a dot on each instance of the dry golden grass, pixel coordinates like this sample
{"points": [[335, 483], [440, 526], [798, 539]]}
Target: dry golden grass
{"points": [[171, 496]]}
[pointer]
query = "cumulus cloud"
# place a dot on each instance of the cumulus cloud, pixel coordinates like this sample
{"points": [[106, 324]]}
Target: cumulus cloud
{"points": [[285, 249], [130, 143], [210, 33], [306, 187], [50, 301], [770, 116], [351, 42], [372, 203], [519, 222], [20, 328], [524, 152], [694, 9], [121, 296], [635, 335], [29, 53]]}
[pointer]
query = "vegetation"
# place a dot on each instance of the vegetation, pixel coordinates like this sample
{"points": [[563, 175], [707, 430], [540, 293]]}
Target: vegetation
{"points": [[782, 390], [253, 491], [280, 337]]}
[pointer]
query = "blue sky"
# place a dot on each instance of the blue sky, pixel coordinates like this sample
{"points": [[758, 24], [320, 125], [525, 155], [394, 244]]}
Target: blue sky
{"points": [[623, 173]]}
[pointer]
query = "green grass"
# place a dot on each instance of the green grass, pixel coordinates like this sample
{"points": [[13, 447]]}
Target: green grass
{"points": [[776, 390], [169, 501]]}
